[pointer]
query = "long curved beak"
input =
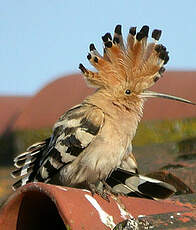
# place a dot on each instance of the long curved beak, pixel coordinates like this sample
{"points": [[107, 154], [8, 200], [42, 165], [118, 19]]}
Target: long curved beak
{"points": [[147, 93]]}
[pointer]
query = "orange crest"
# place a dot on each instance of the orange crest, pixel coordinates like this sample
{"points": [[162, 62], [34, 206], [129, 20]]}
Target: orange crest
{"points": [[138, 63]]}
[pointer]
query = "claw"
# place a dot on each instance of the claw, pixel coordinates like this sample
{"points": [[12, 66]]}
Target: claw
{"points": [[99, 189], [111, 191]]}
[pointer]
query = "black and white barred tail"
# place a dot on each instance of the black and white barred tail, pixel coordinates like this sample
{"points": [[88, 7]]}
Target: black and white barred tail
{"points": [[27, 163], [128, 183]]}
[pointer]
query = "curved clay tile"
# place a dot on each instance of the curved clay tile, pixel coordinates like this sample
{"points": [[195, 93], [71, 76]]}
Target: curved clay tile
{"points": [[44, 206]]}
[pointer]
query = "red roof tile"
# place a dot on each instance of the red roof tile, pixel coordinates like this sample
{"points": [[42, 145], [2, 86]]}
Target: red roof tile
{"points": [[176, 83], [44, 206], [52, 101], [11, 107], [58, 96]]}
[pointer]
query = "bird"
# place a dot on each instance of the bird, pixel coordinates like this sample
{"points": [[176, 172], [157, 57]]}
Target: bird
{"points": [[91, 144]]}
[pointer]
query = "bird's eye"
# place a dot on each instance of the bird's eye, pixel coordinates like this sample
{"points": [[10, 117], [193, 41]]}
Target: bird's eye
{"points": [[128, 91]]}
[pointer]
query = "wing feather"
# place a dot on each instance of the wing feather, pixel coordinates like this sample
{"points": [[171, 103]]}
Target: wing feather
{"points": [[72, 133]]}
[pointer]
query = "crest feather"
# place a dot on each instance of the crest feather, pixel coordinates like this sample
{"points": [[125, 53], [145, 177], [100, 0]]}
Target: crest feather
{"points": [[138, 62]]}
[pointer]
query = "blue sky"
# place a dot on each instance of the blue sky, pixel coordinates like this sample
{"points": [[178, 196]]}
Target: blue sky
{"points": [[44, 39]]}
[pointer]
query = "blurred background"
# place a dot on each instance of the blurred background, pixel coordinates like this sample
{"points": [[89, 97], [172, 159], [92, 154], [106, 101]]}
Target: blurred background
{"points": [[42, 44]]}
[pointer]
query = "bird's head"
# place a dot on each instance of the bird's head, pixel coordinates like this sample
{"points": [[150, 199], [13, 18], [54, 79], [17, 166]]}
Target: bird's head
{"points": [[128, 71]]}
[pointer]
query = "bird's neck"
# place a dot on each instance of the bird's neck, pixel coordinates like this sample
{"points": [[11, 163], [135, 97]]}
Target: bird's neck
{"points": [[126, 115]]}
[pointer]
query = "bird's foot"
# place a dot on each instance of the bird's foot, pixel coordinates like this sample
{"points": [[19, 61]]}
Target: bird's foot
{"points": [[99, 189], [110, 190]]}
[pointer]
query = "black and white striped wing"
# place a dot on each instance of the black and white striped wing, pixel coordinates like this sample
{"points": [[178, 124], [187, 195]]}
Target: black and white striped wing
{"points": [[72, 134]]}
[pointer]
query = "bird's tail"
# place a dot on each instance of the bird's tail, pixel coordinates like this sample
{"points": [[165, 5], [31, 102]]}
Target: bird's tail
{"points": [[128, 183], [26, 163]]}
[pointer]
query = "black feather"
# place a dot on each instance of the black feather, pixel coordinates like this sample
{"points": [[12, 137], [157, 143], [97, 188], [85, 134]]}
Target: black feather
{"points": [[156, 34], [132, 31], [118, 29]]}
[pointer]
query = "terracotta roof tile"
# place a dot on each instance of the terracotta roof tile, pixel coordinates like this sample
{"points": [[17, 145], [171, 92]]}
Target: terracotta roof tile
{"points": [[11, 107], [176, 83], [58, 96], [44, 206], [52, 101]]}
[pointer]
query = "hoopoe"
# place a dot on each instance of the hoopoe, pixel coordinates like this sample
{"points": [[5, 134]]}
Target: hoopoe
{"points": [[91, 144]]}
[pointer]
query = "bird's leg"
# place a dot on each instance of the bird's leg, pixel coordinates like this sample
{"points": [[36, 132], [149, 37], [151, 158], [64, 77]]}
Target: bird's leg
{"points": [[110, 190], [99, 189]]}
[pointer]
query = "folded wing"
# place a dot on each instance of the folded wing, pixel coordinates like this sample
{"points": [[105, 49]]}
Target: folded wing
{"points": [[72, 133]]}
